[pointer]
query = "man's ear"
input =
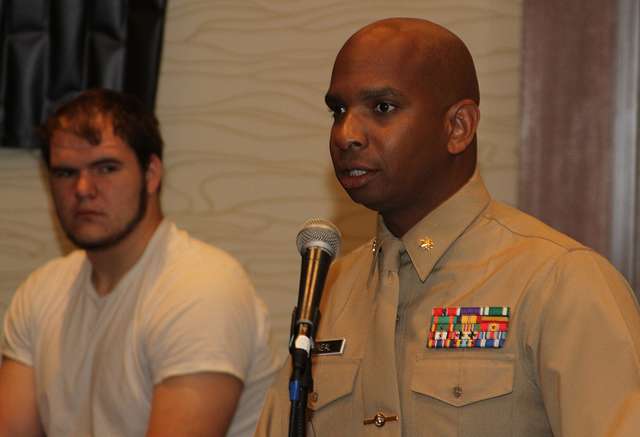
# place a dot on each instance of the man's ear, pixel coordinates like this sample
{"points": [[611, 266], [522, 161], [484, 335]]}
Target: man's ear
{"points": [[462, 118], [153, 174]]}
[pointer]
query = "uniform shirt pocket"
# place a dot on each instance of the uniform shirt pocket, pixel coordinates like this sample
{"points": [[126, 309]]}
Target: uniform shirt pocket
{"points": [[332, 401], [464, 395], [461, 382]]}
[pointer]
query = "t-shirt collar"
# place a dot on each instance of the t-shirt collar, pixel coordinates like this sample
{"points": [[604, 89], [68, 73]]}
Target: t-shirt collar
{"points": [[154, 248]]}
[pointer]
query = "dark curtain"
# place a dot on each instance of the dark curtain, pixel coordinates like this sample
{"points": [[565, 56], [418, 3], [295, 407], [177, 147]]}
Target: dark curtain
{"points": [[566, 150], [52, 49]]}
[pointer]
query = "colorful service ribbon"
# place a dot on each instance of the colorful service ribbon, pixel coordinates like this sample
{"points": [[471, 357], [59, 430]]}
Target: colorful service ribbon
{"points": [[468, 327]]}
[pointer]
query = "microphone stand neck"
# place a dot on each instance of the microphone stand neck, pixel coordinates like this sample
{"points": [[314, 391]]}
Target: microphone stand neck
{"points": [[301, 381]]}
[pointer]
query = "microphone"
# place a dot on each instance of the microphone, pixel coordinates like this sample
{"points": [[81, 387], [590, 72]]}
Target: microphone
{"points": [[318, 243]]}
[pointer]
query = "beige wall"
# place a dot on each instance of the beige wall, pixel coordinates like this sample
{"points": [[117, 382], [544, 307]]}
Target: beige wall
{"points": [[241, 107]]}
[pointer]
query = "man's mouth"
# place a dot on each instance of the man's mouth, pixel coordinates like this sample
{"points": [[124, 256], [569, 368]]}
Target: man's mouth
{"points": [[355, 177], [356, 172], [87, 213]]}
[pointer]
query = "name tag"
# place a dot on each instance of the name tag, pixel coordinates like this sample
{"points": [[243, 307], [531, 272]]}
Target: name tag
{"points": [[329, 347]]}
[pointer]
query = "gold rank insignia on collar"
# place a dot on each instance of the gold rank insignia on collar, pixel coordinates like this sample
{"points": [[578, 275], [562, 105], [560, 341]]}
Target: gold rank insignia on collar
{"points": [[426, 243]]}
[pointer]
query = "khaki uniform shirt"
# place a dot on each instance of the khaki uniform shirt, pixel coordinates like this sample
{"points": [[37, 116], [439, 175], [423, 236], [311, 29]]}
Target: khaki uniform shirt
{"points": [[569, 365]]}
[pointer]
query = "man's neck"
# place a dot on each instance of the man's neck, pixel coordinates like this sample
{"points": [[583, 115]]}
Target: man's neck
{"points": [[399, 222], [111, 264]]}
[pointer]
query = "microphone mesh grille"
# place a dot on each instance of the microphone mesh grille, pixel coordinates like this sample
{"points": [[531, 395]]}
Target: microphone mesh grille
{"points": [[319, 232]]}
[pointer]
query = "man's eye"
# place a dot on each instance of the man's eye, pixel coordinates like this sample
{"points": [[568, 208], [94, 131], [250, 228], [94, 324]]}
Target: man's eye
{"points": [[106, 168], [337, 111], [384, 107], [61, 173]]}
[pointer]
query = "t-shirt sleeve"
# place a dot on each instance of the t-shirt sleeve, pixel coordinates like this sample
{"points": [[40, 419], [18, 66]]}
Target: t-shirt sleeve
{"points": [[17, 342], [202, 320]]}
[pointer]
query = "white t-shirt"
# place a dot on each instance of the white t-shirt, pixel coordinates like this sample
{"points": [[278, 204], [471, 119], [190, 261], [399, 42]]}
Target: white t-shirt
{"points": [[184, 307]]}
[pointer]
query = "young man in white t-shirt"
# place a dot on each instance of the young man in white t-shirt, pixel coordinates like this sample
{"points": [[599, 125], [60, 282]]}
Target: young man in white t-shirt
{"points": [[143, 330]]}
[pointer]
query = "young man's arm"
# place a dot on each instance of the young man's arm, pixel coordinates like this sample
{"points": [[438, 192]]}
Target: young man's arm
{"points": [[199, 404], [18, 407]]}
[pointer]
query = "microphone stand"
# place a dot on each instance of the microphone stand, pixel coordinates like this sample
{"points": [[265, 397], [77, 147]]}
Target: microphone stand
{"points": [[301, 381]]}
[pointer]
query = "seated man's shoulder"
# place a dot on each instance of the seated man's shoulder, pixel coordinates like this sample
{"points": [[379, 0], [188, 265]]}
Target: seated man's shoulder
{"points": [[55, 275], [199, 277], [190, 257], [61, 265]]}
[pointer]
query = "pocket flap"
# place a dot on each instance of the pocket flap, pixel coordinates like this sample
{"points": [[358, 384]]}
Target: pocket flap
{"points": [[460, 382], [333, 378]]}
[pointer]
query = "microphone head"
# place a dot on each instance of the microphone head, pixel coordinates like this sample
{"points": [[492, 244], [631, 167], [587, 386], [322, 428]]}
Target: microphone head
{"points": [[320, 233]]}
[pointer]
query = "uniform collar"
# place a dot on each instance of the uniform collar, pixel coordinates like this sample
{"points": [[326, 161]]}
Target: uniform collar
{"points": [[430, 238]]}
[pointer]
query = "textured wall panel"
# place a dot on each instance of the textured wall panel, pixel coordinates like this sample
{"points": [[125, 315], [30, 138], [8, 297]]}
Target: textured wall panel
{"points": [[241, 103]]}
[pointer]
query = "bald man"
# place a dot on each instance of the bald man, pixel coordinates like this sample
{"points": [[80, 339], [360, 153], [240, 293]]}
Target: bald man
{"points": [[463, 317]]}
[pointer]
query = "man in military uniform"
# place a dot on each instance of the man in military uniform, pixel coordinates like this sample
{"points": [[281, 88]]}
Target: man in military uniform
{"points": [[464, 317]]}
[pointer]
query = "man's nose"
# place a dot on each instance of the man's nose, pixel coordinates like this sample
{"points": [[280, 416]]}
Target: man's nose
{"points": [[85, 185], [349, 132]]}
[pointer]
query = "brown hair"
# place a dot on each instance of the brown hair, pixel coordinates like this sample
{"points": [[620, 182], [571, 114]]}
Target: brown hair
{"points": [[131, 122]]}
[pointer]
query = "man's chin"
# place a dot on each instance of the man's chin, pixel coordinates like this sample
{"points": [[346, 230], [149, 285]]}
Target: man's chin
{"points": [[94, 239], [366, 199], [92, 243], [97, 241]]}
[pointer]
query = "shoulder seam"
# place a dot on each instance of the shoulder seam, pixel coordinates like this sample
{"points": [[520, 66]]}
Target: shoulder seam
{"points": [[578, 246]]}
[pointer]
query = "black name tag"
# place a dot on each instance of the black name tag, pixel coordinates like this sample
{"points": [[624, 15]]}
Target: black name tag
{"points": [[329, 347]]}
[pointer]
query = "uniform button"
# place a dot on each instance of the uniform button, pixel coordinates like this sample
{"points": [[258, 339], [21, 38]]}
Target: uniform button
{"points": [[397, 318], [379, 420], [457, 391]]}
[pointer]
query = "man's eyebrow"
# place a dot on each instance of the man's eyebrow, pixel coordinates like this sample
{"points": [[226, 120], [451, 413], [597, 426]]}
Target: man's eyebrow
{"points": [[376, 93], [96, 163], [102, 161], [365, 94], [61, 167]]}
